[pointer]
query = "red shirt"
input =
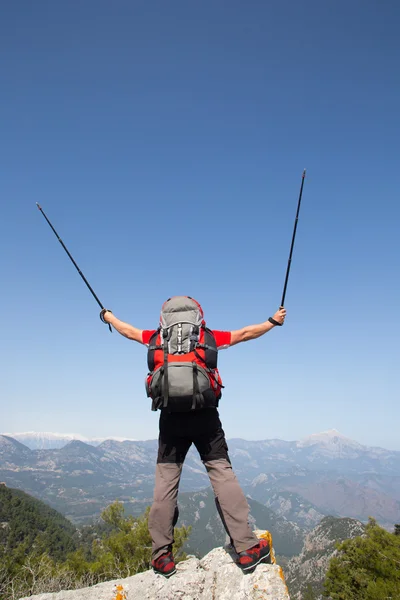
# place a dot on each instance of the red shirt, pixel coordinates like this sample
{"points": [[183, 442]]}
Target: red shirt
{"points": [[222, 338]]}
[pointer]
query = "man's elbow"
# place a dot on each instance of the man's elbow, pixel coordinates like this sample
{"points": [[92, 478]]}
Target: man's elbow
{"points": [[241, 335], [136, 335]]}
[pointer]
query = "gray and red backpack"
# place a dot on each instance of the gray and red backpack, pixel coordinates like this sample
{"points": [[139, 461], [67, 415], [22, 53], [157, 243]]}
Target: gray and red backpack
{"points": [[182, 359]]}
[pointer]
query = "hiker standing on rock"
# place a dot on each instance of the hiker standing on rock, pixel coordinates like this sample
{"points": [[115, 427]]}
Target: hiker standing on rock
{"points": [[184, 384]]}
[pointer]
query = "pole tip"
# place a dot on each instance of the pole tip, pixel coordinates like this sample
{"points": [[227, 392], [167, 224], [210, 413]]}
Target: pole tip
{"points": [[304, 172], [38, 205]]}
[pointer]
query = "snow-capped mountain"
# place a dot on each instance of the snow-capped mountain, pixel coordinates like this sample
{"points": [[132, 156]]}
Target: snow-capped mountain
{"points": [[46, 440], [331, 437], [333, 444]]}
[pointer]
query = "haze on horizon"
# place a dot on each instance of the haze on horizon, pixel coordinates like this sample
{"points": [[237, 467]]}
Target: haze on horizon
{"points": [[331, 437]]}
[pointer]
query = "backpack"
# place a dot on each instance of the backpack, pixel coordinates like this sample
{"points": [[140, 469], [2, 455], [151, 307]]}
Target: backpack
{"points": [[182, 359]]}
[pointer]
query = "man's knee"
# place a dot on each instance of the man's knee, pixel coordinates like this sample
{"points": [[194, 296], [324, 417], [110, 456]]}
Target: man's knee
{"points": [[220, 469], [163, 515], [154, 512], [167, 482]]}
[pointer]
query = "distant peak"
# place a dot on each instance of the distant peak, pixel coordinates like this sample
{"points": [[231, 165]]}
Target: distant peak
{"points": [[330, 437], [328, 433]]}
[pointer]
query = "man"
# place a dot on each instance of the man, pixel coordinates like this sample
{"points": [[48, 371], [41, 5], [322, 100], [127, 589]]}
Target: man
{"points": [[197, 423]]}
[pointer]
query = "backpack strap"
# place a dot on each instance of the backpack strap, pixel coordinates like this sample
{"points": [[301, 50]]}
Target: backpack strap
{"points": [[152, 347], [157, 398], [165, 334], [210, 347], [210, 360], [194, 338], [196, 390]]}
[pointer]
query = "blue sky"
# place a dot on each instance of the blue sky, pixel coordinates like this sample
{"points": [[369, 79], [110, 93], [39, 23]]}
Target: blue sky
{"points": [[166, 141]]}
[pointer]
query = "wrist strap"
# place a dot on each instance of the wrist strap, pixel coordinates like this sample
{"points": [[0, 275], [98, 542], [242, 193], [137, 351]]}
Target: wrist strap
{"points": [[104, 310], [271, 320]]}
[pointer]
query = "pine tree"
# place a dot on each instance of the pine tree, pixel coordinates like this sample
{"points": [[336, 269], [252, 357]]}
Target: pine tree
{"points": [[124, 551], [366, 568], [397, 529]]}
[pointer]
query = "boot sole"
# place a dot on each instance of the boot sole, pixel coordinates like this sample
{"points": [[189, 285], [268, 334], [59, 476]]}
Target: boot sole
{"points": [[166, 575]]}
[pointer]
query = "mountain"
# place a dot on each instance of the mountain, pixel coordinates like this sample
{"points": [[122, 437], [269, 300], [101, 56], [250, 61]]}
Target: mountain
{"points": [[46, 440], [294, 507], [198, 510], [328, 493], [27, 523], [342, 496], [326, 451], [80, 480], [325, 474], [309, 568], [12, 453]]}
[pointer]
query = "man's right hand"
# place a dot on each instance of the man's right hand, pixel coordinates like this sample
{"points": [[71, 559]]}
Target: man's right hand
{"points": [[280, 315]]}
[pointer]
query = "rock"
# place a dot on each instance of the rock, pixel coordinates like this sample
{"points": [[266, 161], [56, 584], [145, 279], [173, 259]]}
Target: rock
{"points": [[214, 577]]}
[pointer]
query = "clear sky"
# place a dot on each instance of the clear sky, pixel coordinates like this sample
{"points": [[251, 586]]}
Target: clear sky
{"points": [[165, 141]]}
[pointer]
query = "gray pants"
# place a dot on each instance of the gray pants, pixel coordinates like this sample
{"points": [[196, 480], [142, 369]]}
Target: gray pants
{"points": [[231, 502]]}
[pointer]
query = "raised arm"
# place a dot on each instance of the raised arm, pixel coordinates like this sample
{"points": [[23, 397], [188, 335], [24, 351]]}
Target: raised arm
{"points": [[251, 332], [128, 331]]}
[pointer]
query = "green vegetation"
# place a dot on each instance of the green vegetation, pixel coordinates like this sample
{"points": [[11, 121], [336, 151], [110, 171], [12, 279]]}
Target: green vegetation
{"points": [[309, 593], [124, 550], [367, 567], [27, 523], [40, 551]]}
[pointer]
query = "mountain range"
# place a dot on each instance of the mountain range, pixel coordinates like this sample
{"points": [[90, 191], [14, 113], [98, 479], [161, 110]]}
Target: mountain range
{"points": [[300, 481], [329, 444]]}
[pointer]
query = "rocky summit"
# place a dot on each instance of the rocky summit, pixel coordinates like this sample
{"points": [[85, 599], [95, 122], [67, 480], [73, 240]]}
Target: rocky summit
{"points": [[214, 577]]}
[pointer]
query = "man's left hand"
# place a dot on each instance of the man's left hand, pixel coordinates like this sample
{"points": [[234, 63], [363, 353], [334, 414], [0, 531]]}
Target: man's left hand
{"points": [[105, 314]]}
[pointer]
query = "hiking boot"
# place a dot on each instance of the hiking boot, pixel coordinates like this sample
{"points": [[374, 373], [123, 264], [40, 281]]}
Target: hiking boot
{"points": [[250, 558], [164, 565]]}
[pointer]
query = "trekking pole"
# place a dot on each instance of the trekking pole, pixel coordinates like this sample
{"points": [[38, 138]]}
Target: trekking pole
{"points": [[293, 237], [72, 260]]}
